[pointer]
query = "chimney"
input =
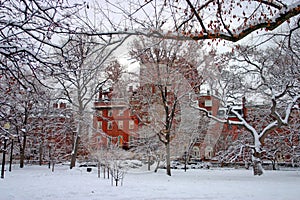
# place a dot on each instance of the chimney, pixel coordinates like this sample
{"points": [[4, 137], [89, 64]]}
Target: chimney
{"points": [[100, 94], [130, 88], [109, 95], [244, 107]]}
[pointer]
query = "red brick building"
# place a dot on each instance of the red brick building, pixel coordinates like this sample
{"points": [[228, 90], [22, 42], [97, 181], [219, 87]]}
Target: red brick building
{"points": [[113, 122], [207, 145]]}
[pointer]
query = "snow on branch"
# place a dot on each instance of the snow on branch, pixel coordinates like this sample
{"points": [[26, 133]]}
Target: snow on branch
{"points": [[279, 120], [194, 104]]}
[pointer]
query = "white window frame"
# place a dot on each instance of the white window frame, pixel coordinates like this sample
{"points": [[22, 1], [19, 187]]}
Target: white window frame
{"points": [[110, 113], [120, 140], [208, 103], [99, 125], [98, 139], [131, 124], [99, 113], [109, 125], [120, 124], [121, 112]]}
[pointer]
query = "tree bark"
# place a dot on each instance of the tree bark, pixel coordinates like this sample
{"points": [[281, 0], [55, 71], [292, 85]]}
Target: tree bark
{"points": [[11, 155], [74, 151], [257, 164], [168, 158], [99, 165], [149, 162], [40, 155], [157, 166], [22, 151]]}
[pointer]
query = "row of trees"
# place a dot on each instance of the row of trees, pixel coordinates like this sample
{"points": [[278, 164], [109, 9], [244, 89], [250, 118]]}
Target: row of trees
{"points": [[45, 41], [268, 77]]}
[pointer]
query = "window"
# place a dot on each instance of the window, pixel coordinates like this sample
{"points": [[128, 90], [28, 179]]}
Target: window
{"points": [[99, 125], [208, 152], [98, 139], [221, 112], [131, 124], [208, 103], [108, 141], [99, 113], [120, 140], [109, 113], [109, 125], [196, 152], [120, 124], [121, 112]]}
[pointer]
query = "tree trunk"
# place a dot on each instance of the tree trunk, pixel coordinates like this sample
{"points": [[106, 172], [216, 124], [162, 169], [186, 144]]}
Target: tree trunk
{"points": [[40, 155], [99, 165], [53, 164], [75, 145], [49, 161], [104, 171], [168, 158], [149, 164], [11, 155], [274, 165], [22, 151], [74, 151], [3, 158], [107, 172], [257, 164]]}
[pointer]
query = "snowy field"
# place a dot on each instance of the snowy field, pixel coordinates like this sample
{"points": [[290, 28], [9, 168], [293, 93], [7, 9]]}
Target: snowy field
{"points": [[35, 182]]}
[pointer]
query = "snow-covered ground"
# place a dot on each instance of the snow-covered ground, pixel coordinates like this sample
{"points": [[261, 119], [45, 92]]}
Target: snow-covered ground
{"points": [[35, 182]]}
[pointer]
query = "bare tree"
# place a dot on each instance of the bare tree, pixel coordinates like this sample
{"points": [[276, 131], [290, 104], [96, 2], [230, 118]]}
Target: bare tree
{"points": [[81, 76], [20, 104], [167, 74]]}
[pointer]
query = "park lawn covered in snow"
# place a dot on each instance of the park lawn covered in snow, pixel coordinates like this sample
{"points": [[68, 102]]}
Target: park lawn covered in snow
{"points": [[38, 182]]}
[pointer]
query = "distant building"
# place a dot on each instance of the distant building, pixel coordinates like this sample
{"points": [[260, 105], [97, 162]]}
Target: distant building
{"points": [[113, 122], [207, 145], [50, 136]]}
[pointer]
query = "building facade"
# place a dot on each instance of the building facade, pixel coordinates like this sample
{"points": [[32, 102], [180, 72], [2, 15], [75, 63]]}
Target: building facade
{"points": [[113, 121]]}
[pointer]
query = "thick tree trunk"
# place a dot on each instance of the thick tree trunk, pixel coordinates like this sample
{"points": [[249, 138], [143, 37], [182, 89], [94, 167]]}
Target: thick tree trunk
{"points": [[22, 151], [74, 151], [257, 164], [168, 158], [99, 165]]}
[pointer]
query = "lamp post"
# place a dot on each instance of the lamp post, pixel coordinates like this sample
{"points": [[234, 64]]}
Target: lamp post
{"points": [[6, 127]]}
